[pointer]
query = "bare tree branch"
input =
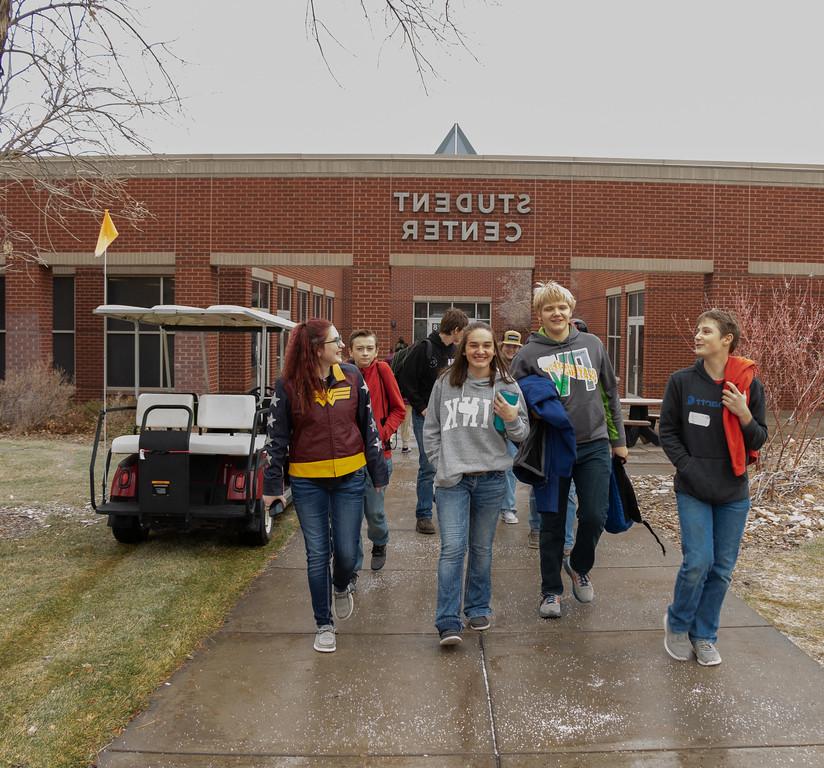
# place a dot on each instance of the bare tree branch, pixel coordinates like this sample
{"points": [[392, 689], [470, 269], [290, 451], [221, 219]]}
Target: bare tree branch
{"points": [[70, 88], [418, 24]]}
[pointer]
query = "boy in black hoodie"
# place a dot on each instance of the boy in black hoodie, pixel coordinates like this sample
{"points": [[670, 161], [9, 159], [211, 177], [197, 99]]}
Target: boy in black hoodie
{"points": [[426, 360], [712, 424]]}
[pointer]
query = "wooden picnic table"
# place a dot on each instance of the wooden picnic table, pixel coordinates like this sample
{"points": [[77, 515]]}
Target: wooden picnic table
{"points": [[640, 422]]}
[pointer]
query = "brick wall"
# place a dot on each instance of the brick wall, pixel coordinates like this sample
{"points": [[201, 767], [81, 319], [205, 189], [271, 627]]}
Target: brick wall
{"points": [[360, 216]]}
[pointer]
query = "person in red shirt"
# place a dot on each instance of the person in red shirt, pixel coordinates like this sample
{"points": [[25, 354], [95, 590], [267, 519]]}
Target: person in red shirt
{"points": [[389, 412]]}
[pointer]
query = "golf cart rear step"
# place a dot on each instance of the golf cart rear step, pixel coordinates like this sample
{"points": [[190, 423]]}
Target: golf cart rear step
{"points": [[219, 511]]}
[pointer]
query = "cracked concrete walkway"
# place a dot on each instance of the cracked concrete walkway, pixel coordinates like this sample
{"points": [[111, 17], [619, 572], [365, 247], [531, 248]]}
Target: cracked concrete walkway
{"points": [[594, 688]]}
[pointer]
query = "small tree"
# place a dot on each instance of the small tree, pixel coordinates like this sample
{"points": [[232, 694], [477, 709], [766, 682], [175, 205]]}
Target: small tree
{"points": [[514, 311], [71, 88]]}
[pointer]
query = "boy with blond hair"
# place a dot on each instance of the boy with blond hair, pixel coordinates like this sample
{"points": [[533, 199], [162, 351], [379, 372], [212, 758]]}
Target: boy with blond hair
{"points": [[577, 364]]}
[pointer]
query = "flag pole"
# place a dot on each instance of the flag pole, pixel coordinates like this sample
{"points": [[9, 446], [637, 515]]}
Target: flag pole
{"points": [[105, 355]]}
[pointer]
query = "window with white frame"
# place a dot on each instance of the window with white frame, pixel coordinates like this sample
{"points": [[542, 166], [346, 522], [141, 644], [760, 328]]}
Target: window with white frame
{"points": [[261, 293], [614, 329], [63, 325], [317, 305], [330, 309], [285, 299], [427, 314], [121, 337], [635, 343]]}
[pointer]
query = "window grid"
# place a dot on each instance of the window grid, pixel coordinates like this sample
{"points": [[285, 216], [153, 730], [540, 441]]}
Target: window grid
{"points": [[303, 305], [425, 312], [63, 319], [614, 329], [317, 305], [148, 337]]}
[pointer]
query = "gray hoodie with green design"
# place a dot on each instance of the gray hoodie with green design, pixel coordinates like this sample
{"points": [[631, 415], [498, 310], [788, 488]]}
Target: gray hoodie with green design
{"points": [[577, 365]]}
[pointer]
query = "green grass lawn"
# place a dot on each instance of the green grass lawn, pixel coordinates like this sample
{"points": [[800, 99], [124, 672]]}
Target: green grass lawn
{"points": [[89, 627]]}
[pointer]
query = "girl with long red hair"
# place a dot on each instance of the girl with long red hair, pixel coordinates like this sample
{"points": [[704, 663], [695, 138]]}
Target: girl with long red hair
{"points": [[321, 418]]}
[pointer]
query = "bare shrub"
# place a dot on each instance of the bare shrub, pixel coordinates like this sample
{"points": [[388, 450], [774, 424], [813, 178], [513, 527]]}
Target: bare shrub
{"points": [[783, 332], [31, 397]]}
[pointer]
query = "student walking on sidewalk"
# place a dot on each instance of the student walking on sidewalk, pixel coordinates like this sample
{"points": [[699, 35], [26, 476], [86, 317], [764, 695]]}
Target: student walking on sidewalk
{"points": [[389, 411], [577, 363], [425, 361], [474, 407], [321, 417], [712, 425]]}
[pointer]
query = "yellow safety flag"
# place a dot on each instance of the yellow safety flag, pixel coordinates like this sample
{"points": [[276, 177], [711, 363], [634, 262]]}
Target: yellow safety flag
{"points": [[108, 234]]}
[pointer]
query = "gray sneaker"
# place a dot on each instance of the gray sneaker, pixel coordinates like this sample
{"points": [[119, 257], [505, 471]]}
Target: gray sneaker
{"points": [[534, 540], [325, 639], [581, 585], [550, 607], [676, 644], [509, 516], [706, 653], [343, 604]]}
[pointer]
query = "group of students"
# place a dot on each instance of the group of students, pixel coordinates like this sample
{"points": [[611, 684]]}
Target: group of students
{"points": [[477, 409]]}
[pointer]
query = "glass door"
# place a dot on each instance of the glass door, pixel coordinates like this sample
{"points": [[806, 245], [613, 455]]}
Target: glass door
{"points": [[635, 344]]}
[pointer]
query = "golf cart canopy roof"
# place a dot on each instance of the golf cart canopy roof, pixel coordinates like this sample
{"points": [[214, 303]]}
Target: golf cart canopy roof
{"points": [[220, 317]]}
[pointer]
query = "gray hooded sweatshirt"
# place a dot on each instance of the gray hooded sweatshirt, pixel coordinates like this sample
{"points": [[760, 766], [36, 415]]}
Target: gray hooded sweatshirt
{"points": [[577, 365], [459, 435]]}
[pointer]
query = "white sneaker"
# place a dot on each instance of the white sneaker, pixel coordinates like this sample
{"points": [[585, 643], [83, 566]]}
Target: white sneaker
{"points": [[509, 516], [325, 641], [550, 607]]}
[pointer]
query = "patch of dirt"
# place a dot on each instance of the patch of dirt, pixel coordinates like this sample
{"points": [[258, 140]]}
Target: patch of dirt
{"points": [[775, 574], [19, 522]]}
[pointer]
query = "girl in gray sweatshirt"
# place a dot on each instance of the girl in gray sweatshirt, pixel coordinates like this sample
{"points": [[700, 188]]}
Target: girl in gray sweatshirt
{"points": [[474, 407]]}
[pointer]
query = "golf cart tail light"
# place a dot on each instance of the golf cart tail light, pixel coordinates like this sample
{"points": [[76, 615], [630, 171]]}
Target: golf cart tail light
{"points": [[125, 478], [240, 482]]}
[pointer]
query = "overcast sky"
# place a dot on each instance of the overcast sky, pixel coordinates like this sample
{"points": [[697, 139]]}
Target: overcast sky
{"points": [[727, 80]]}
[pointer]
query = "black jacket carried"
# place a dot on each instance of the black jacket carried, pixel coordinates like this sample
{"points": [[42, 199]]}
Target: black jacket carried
{"points": [[420, 370], [692, 435]]}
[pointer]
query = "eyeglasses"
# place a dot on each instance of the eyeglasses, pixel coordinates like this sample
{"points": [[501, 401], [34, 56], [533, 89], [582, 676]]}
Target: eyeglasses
{"points": [[337, 340]]}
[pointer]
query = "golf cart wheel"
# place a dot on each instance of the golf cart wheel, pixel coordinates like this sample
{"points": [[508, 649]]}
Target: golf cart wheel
{"points": [[128, 530], [262, 533]]}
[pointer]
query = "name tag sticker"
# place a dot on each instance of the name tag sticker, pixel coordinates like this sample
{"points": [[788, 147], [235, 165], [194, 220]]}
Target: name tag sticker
{"points": [[699, 419]]}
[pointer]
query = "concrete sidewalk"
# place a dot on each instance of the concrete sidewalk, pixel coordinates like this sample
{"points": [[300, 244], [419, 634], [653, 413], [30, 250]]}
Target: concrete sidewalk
{"points": [[594, 688]]}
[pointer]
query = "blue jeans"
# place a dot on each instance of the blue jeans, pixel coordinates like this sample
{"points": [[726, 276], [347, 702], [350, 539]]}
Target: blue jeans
{"points": [[377, 528], [569, 529], [325, 506], [710, 536], [591, 473], [467, 517], [426, 472], [508, 502]]}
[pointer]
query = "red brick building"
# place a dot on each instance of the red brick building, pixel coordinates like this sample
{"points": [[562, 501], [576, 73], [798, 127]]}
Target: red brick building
{"points": [[390, 242]]}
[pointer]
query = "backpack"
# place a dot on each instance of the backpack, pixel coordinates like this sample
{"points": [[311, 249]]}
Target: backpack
{"points": [[402, 355], [623, 505]]}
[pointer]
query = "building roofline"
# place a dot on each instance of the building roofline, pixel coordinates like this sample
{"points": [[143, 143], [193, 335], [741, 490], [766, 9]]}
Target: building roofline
{"points": [[446, 166]]}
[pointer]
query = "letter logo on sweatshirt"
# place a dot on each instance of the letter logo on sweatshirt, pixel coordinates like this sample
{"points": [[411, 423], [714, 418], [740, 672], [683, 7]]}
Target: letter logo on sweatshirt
{"points": [[575, 364], [473, 412]]}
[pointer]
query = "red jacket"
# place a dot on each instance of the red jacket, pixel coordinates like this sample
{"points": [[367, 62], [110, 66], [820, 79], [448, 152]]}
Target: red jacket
{"points": [[740, 371], [387, 402]]}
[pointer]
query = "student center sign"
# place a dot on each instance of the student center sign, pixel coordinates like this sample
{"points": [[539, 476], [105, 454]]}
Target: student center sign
{"points": [[390, 242], [490, 229]]}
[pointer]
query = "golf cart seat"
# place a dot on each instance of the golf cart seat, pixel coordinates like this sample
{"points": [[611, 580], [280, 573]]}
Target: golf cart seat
{"points": [[165, 418], [234, 417]]}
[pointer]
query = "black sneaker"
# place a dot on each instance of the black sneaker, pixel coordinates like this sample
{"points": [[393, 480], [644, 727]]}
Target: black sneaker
{"points": [[480, 623], [378, 556], [451, 637], [425, 525]]}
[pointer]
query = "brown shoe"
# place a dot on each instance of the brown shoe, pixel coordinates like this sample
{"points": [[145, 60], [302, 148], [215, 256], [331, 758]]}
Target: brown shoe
{"points": [[425, 525]]}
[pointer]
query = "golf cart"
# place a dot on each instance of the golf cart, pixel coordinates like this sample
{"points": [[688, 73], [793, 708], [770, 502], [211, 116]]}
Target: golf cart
{"points": [[191, 461]]}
